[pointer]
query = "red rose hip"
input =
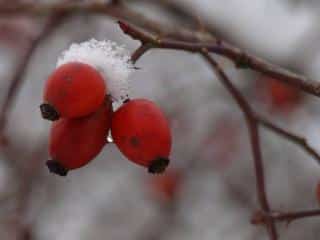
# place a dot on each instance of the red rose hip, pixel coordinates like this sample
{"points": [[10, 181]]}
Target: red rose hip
{"points": [[73, 90], [75, 142], [142, 133]]}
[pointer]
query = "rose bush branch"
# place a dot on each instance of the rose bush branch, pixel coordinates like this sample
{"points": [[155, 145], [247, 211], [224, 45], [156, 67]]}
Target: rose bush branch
{"points": [[253, 128], [196, 40], [294, 138], [139, 52], [261, 217], [242, 103], [149, 41], [153, 35]]}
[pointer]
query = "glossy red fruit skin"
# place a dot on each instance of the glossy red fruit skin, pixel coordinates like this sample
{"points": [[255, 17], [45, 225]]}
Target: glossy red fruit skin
{"points": [[74, 90], [141, 132], [75, 142]]}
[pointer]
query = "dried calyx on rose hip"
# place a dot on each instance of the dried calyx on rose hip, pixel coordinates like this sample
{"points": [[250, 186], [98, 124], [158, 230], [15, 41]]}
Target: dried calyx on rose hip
{"points": [[73, 90], [141, 132], [75, 142]]}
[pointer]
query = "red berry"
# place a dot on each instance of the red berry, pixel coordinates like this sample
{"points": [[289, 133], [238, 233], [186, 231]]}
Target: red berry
{"points": [[142, 133], [73, 90], [75, 142]]}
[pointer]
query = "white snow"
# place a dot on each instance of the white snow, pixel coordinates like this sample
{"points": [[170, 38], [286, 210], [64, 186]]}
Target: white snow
{"points": [[110, 59]]}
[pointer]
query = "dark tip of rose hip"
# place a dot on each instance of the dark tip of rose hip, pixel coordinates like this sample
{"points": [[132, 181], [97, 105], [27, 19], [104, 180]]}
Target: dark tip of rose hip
{"points": [[56, 168], [48, 112], [158, 165]]}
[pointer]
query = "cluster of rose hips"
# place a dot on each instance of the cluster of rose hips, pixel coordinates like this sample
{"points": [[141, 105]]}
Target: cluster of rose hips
{"points": [[77, 99]]}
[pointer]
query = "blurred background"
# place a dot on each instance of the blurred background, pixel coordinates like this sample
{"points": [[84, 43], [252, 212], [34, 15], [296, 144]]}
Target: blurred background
{"points": [[208, 192]]}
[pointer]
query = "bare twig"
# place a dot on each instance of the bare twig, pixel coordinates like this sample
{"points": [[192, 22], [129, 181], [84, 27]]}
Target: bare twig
{"points": [[191, 41], [252, 123], [291, 216], [156, 42], [261, 218], [184, 38], [296, 139], [139, 52], [253, 119]]}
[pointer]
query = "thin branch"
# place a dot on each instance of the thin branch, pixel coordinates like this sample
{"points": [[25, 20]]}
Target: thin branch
{"points": [[291, 216], [154, 42], [261, 218], [253, 118], [139, 52], [252, 125], [239, 57], [191, 41], [184, 38], [294, 138]]}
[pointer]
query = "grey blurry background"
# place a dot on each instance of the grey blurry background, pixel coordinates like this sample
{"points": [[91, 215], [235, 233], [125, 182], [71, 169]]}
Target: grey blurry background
{"points": [[214, 195]]}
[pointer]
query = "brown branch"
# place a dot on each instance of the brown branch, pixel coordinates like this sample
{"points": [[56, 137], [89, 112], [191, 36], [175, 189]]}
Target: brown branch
{"points": [[191, 41], [294, 138], [139, 52], [252, 125], [291, 216], [154, 42], [261, 218], [184, 39], [253, 119]]}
